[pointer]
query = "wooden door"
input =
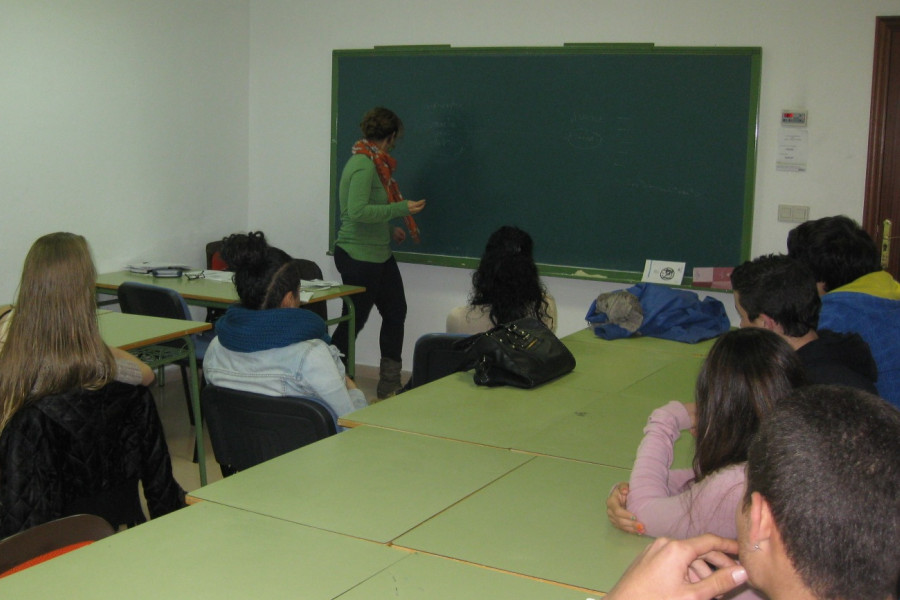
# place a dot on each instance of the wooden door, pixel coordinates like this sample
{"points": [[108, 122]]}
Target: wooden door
{"points": [[883, 172]]}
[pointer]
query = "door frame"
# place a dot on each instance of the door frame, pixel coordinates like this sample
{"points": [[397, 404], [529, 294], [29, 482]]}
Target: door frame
{"points": [[882, 194]]}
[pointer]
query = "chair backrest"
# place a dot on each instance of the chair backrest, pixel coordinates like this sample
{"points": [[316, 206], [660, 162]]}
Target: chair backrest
{"points": [[152, 300], [213, 261], [434, 357], [44, 541], [247, 428]]}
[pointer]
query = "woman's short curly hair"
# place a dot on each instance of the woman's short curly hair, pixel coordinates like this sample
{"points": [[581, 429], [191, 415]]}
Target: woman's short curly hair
{"points": [[380, 123]]}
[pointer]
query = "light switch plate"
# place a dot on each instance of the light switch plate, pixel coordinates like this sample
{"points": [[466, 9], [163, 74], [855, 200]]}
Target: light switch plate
{"points": [[793, 213]]}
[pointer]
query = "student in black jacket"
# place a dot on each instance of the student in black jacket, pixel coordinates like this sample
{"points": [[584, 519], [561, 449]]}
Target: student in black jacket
{"points": [[72, 438], [779, 293]]}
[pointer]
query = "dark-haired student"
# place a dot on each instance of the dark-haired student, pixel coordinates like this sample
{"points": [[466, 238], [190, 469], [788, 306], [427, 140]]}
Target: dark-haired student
{"points": [[778, 293], [266, 343], [820, 517], [505, 286], [858, 295], [747, 372]]}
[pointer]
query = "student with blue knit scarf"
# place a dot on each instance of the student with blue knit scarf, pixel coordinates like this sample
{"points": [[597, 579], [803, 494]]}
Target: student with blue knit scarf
{"points": [[266, 343]]}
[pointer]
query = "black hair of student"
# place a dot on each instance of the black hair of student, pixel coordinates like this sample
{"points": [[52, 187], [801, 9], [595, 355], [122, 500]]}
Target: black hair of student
{"points": [[828, 464], [507, 279], [747, 372], [262, 274], [836, 249], [380, 123], [782, 288]]}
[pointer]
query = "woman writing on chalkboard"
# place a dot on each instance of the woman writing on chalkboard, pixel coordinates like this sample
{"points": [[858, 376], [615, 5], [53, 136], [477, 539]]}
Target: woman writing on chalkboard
{"points": [[369, 201]]}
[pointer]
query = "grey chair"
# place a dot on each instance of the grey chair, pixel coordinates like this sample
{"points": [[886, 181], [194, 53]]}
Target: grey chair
{"points": [[156, 301], [247, 428], [435, 356]]}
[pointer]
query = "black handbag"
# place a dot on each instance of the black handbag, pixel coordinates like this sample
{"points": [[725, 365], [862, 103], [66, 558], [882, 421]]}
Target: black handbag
{"points": [[522, 353]]}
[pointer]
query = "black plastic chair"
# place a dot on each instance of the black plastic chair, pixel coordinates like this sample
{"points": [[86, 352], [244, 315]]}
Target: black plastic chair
{"points": [[52, 536], [156, 301], [247, 428], [434, 357]]}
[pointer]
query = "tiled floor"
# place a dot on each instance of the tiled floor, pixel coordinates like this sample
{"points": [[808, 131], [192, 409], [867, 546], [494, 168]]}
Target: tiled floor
{"points": [[180, 435]]}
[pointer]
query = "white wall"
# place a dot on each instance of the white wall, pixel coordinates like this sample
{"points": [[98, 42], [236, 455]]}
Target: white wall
{"points": [[125, 122], [151, 126], [817, 55]]}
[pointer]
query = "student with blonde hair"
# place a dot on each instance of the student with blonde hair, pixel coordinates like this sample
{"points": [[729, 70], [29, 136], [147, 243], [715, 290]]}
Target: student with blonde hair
{"points": [[77, 431], [50, 340]]}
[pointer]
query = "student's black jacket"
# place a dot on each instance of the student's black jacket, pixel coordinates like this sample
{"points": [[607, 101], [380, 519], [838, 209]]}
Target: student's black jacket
{"points": [[85, 451]]}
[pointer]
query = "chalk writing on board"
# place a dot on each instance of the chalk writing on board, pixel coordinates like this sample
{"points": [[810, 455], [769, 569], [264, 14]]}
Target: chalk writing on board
{"points": [[650, 187], [622, 141], [585, 131], [448, 136]]}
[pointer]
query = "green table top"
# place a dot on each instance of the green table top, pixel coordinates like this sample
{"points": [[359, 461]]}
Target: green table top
{"points": [[368, 482], [208, 551], [422, 576], [207, 292], [546, 519], [596, 413], [587, 335], [133, 331]]}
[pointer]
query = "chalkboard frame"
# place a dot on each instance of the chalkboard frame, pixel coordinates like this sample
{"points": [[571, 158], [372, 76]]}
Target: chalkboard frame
{"points": [[585, 271]]}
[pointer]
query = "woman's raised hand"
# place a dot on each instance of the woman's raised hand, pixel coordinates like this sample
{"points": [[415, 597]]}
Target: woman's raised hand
{"points": [[415, 206]]}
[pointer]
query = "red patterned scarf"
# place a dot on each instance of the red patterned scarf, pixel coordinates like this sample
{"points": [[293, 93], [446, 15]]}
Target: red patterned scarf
{"points": [[384, 166]]}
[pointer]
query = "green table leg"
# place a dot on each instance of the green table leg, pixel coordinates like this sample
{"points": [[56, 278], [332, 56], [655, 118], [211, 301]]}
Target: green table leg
{"points": [[351, 337], [350, 317], [195, 405]]}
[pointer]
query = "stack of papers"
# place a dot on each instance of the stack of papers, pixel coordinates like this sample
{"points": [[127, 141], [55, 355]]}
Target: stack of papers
{"points": [[218, 275], [317, 284], [146, 267], [309, 286]]}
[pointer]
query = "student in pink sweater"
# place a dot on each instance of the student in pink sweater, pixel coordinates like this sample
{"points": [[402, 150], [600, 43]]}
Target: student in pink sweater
{"points": [[746, 372]]}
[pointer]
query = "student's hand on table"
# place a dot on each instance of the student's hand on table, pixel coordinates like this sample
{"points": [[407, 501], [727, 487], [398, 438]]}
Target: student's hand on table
{"points": [[680, 570], [691, 408], [618, 514], [351, 385], [415, 206]]}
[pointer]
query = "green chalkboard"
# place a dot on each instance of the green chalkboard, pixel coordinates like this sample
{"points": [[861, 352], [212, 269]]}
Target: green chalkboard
{"points": [[606, 155]]}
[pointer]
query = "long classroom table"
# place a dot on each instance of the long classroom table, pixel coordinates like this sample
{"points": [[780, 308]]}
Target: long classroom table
{"points": [[505, 486], [212, 293], [214, 552], [594, 414]]}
